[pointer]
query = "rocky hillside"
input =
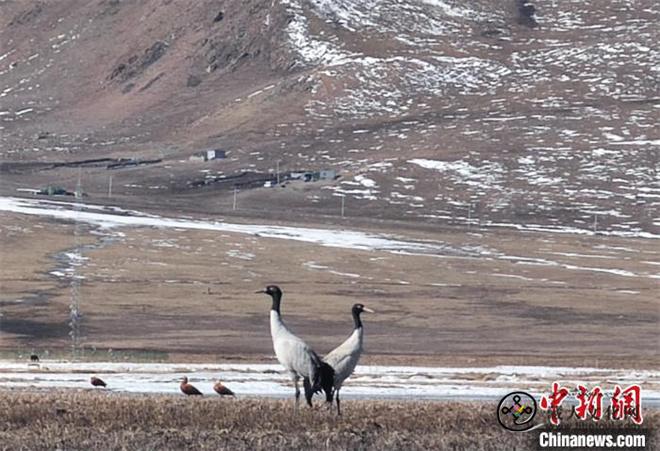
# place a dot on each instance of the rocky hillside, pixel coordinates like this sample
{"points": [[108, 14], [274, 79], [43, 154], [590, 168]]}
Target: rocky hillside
{"points": [[536, 114]]}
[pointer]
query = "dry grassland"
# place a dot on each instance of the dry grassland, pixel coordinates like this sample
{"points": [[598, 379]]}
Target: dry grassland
{"points": [[191, 293], [86, 420]]}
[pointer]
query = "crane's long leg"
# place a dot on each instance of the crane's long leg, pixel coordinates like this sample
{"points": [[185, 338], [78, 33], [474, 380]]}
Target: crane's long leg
{"points": [[309, 393], [295, 383], [329, 399], [338, 410]]}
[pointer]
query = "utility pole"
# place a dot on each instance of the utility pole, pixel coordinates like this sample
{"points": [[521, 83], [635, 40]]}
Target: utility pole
{"points": [[110, 187], [78, 193], [277, 171], [343, 202], [469, 216], [235, 190], [595, 222]]}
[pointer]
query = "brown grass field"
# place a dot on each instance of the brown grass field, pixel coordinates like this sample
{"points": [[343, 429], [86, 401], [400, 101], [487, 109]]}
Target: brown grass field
{"points": [[81, 420], [188, 295]]}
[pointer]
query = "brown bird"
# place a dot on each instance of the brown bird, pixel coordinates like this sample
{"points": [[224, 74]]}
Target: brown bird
{"points": [[189, 389], [222, 390], [96, 382]]}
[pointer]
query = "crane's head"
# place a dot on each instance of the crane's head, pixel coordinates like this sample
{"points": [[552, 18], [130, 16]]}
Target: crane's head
{"points": [[276, 294], [359, 308], [272, 290], [184, 380], [356, 310]]}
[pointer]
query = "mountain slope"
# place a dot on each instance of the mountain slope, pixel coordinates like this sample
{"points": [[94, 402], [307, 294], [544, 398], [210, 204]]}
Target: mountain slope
{"points": [[432, 110]]}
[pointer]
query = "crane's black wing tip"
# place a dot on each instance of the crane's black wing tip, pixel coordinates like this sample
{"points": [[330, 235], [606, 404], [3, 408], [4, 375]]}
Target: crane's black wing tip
{"points": [[325, 380]]}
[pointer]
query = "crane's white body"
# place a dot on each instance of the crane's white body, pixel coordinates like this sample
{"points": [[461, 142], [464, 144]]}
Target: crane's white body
{"points": [[292, 353], [295, 356], [344, 358]]}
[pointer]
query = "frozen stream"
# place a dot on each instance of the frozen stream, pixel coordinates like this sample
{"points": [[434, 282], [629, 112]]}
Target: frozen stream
{"points": [[369, 382]]}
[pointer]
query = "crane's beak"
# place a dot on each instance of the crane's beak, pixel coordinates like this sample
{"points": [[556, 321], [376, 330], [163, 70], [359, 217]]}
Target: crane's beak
{"points": [[364, 309]]}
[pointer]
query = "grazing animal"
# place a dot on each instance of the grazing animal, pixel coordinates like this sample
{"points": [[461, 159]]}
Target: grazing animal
{"points": [[189, 389], [295, 355], [34, 358], [222, 390], [97, 382], [344, 358]]}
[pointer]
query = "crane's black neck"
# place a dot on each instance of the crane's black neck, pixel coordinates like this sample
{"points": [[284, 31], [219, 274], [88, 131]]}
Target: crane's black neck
{"points": [[277, 298], [356, 318]]}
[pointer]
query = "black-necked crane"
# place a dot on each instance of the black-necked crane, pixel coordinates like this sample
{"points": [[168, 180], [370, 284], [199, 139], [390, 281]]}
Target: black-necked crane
{"points": [[97, 382], [299, 360], [344, 358], [189, 389], [220, 389]]}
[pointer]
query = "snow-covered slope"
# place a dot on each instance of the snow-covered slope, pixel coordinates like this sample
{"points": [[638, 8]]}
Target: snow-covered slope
{"points": [[542, 121], [555, 124]]}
